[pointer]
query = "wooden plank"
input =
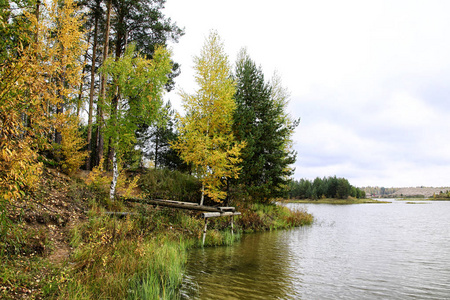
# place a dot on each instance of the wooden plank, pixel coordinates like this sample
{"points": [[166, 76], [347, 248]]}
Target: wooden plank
{"points": [[183, 205], [177, 202], [219, 214], [227, 208], [204, 232], [232, 225]]}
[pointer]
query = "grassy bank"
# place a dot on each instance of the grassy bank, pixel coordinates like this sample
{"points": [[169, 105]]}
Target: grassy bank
{"points": [[349, 200], [58, 243]]}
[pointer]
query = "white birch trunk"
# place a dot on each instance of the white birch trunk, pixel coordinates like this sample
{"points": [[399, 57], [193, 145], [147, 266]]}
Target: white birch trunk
{"points": [[112, 190], [203, 193]]}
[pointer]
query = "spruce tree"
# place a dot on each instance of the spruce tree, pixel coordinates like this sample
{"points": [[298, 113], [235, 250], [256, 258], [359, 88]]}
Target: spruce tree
{"points": [[260, 120]]}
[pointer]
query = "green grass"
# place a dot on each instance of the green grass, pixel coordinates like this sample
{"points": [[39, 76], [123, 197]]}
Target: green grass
{"points": [[140, 256], [121, 259], [259, 217]]}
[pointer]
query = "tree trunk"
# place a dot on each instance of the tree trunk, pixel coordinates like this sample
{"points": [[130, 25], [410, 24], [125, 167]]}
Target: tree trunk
{"points": [[37, 12], [115, 100], [60, 106], [80, 92], [112, 190], [59, 110], [91, 95], [103, 87], [203, 194], [156, 149], [113, 117]]}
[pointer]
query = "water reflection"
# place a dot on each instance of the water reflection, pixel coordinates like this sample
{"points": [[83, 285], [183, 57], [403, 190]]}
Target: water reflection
{"points": [[394, 251], [258, 266]]}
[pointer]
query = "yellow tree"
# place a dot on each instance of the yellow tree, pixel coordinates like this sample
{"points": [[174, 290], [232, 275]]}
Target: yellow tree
{"points": [[38, 73], [206, 140]]}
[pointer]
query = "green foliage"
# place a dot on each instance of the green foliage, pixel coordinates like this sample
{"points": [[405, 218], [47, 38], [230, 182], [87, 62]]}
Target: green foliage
{"points": [[328, 187], [135, 98], [173, 185], [140, 84], [260, 217], [261, 121], [144, 24], [118, 259], [154, 140]]}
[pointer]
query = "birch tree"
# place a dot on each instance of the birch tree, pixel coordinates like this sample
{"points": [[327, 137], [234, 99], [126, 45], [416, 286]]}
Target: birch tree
{"points": [[206, 139], [140, 83], [39, 72]]}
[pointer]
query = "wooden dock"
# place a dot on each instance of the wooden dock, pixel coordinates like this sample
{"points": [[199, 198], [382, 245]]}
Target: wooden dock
{"points": [[208, 211]]}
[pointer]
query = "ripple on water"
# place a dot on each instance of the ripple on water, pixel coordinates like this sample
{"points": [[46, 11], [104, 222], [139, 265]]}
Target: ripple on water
{"points": [[388, 251]]}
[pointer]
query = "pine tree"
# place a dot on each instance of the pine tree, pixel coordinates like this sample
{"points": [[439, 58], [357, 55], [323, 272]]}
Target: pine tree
{"points": [[206, 139]]}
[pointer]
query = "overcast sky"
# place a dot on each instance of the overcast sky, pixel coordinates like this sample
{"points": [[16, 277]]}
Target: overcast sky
{"points": [[370, 80]]}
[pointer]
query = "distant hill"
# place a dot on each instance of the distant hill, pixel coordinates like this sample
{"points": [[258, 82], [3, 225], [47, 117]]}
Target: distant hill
{"points": [[422, 192]]}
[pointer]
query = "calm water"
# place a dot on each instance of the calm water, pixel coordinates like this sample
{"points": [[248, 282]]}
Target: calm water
{"points": [[366, 251]]}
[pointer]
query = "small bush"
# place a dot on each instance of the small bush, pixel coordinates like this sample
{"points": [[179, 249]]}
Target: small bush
{"points": [[167, 184]]}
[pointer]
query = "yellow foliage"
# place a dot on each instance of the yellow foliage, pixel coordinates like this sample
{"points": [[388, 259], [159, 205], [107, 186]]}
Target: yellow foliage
{"points": [[36, 77], [206, 138], [19, 170], [126, 186], [71, 145], [100, 178]]}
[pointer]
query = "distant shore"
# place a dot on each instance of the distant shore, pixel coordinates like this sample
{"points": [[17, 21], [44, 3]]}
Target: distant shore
{"points": [[349, 200]]}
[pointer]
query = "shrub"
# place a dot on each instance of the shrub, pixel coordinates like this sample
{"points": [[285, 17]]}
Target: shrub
{"points": [[172, 185]]}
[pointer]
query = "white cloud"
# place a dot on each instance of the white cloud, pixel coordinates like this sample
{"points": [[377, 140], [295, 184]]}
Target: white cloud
{"points": [[368, 78]]}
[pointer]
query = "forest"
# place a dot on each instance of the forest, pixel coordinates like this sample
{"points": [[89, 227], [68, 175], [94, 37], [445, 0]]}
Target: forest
{"points": [[327, 187], [86, 136], [83, 84]]}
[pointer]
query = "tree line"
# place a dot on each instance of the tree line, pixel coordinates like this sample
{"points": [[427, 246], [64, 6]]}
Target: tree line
{"points": [[327, 187], [82, 85]]}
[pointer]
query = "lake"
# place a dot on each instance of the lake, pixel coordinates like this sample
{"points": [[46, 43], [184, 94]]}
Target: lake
{"points": [[361, 251]]}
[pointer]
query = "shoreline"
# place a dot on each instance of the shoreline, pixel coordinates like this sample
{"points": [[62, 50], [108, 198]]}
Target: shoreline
{"points": [[336, 201]]}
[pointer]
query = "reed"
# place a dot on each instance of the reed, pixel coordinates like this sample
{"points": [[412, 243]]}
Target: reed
{"points": [[118, 259], [261, 217]]}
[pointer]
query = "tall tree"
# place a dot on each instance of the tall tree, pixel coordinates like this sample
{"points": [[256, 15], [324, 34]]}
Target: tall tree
{"points": [[102, 94], [67, 47], [42, 54], [262, 122], [96, 14], [142, 22], [140, 83], [206, 139]]}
